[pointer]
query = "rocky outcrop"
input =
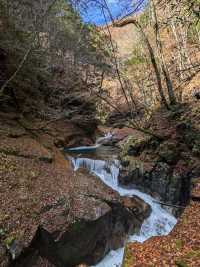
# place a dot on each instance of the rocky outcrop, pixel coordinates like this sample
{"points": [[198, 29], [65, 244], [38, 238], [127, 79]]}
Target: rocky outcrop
{"points": [[162, 168], [163, 174], [100, 226], [84, 229]]}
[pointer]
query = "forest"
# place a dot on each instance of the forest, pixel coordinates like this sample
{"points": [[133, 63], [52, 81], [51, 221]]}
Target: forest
{"points": [[99, 133]]}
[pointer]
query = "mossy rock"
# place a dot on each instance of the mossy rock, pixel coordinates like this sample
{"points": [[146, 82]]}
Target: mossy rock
{"points": [[133, 145], [169, 152], [128, 259]]}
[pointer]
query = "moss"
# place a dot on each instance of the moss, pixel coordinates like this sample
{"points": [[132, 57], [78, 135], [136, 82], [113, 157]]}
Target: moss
{"points": [[128, 258], [135, 60], [134, 143], [179, 244], [181, 263], [9, 241], [193, 254]]}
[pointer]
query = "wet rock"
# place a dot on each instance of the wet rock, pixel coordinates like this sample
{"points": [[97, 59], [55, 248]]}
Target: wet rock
{"points": [[101, 223], [135, 172], [161, 182], [169, 152], [137, 206], [42, 262], [171, 184], [126, 178], [162, 168]]}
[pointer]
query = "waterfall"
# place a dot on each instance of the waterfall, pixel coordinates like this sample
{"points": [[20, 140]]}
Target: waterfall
{"points": [[86, 149], [107, 136], [160, 222]]}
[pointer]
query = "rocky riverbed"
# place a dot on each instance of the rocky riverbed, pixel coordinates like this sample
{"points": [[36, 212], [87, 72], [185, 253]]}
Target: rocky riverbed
{"points": [[50, 211]]}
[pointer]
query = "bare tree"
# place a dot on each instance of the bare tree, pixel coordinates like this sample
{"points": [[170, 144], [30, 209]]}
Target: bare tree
{"points": [[151, 54], [164, 68]]}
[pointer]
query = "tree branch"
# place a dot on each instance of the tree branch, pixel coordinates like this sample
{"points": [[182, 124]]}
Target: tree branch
{"points": [[16, 72]]}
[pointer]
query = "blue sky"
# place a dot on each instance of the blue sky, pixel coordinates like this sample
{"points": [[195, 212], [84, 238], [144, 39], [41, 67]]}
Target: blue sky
{"points": [[118, 8]]}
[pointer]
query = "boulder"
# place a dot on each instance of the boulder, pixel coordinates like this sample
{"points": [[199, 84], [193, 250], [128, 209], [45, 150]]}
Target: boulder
{"points": [[83, 225], [101, 224], [133, 145]]}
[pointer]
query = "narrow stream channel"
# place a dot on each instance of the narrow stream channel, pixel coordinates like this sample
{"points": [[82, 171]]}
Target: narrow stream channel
{"points": [[160, 222]]}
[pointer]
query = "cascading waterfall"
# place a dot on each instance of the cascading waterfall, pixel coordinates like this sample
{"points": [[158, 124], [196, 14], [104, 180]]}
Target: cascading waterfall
{"points": [[160, 222]]}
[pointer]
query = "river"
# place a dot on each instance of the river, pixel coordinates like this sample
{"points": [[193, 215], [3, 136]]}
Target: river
{"points": [[160, 222]]}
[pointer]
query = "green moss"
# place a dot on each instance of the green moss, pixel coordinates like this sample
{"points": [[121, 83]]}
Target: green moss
{"points": [[179, 244], [193, 254], [9, 240], [181, 263], [128, 258], [134, 142], [135, 60]]}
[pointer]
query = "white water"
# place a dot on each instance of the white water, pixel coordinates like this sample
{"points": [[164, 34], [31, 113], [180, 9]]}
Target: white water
{"points": [[107, 136], [160, 222], [98, 143]]}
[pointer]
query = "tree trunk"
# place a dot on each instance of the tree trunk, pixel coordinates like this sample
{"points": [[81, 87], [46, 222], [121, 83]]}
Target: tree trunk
{"points": [[165, 71], [151, 53]]}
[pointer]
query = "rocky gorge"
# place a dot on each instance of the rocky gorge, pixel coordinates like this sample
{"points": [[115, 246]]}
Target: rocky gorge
{"points": [[73, 209], [164, 168], [79, 216], [99, 133]]}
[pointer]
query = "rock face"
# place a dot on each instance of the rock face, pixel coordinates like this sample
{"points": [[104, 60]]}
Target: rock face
{"points": [[100, 221], [162, 168], [93, 235]]}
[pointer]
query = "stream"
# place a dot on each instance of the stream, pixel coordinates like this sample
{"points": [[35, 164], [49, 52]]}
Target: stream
{"points": [[105, 165]]}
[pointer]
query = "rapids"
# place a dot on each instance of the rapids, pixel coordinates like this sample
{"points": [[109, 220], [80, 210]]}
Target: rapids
{"points": [[160, 222]]}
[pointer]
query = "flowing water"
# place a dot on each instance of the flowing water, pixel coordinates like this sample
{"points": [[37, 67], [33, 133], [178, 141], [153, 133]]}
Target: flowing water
{"points": [[160, 222]]}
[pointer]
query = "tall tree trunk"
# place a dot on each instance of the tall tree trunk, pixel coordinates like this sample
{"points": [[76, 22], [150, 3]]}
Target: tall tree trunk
{"points": [[151, 54], [165, 71]]}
